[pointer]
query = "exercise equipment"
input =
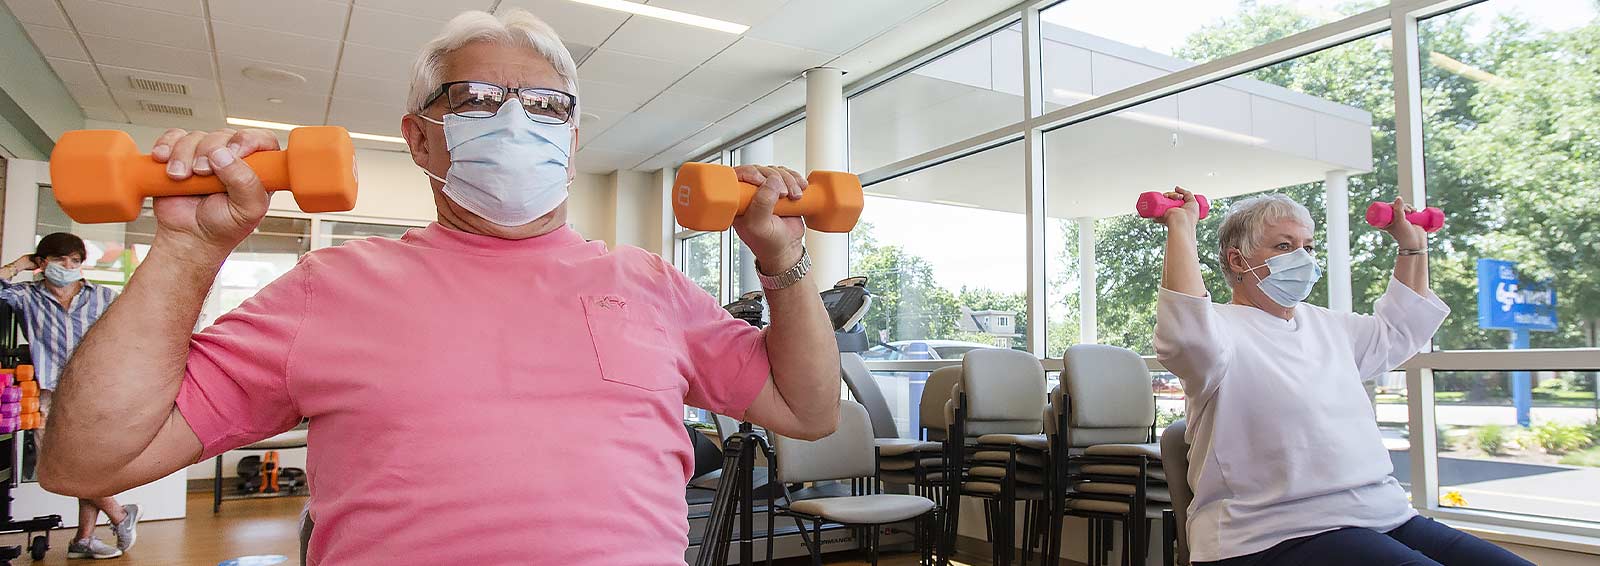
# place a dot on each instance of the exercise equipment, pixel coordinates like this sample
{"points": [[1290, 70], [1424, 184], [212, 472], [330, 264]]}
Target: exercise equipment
{"points": [[30, 389], [24, 373], [707, 197], [11, 394], [10, 410], [30, 421], [1153, 204], [9, 424], [100, 176], [1380, 214], [29, 404], [18, 445]]}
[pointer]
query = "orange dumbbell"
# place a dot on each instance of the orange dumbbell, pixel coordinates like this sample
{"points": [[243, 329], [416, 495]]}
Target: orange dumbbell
{"points": [[707, 196], [29, 389], [29, 405], [100, 176], [24, 373], [30, 421]]}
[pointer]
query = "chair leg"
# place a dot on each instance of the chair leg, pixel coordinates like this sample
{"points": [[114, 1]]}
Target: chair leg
{"points": [[1169, 538], [216, 488], [872, 550], [816, 549]]}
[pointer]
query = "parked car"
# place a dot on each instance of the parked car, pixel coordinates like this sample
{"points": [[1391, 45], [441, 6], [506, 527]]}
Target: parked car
{"points": [[922, 350]]}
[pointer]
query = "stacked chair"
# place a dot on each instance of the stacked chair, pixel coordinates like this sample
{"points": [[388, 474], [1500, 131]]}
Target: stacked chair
{"points": [[1105, 465], [995, 445], [919, 463]]}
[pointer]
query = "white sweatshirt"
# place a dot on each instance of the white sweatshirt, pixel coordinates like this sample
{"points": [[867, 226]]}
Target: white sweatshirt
{"points": [[1284, 443]]}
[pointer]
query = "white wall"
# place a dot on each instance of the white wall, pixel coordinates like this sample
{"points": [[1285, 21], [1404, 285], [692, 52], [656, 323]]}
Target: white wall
{"points": [[589, 206]]}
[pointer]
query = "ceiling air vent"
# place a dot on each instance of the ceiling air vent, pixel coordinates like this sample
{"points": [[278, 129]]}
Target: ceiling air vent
{"points": [[152, 85], [160, 108]]}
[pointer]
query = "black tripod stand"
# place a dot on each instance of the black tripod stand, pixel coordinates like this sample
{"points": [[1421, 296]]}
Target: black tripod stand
{"points": [[735, 500]]}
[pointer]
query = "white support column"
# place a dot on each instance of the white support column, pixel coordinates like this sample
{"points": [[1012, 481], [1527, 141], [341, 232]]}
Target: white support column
{"points": [[758, 152], [1337, 189], [1034, 208], [1408, 154], [1088, 313], [827, 139]]}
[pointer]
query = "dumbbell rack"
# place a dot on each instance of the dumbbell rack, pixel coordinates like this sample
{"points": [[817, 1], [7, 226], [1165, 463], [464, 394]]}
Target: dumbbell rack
{"points": [[14, 355]]}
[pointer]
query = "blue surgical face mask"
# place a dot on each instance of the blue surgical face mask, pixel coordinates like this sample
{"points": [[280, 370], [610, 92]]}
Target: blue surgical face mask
{"points": [[1292, 276], [506, 168], [60, 275]]}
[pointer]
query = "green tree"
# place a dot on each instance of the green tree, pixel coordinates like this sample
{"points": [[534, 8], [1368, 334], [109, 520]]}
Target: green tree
{"points": [[908, 303]]}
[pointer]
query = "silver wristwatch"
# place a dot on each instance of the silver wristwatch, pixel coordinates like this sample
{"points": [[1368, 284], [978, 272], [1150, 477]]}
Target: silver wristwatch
{"points": [[787, 278]]}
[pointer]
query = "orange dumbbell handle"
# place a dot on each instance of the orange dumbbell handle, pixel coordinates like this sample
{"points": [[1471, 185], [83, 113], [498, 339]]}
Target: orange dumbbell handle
{"points": [[811, 202], [151, 177]]}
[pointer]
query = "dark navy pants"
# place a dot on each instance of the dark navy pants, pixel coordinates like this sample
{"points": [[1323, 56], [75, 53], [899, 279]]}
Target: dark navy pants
{"points": [[1419, 542]]}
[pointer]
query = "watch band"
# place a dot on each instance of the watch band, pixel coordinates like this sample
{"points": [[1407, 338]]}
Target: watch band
{"points": [[789, 277], [1413, 251]]}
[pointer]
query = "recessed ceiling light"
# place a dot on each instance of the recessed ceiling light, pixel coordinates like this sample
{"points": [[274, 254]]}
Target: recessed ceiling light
{"points": [[273, 75], [248, 123], [669, 15], [275, 100]]}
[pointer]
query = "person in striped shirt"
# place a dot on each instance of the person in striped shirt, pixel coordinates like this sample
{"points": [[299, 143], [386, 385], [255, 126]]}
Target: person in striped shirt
{"points": [[57, 310]]}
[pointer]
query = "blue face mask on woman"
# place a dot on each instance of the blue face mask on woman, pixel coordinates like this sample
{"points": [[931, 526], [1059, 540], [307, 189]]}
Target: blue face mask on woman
{"points": [[1292, 276], [506, 168]]}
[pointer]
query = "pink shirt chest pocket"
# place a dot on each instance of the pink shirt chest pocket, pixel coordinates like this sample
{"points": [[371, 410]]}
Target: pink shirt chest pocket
{"points": [[630, 343]]}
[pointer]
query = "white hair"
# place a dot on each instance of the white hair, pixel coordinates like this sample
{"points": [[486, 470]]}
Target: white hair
{"points": [[1247, 221], [512, 27]]}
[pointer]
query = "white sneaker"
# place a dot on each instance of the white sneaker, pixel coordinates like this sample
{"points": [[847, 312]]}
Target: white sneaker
{"points": [[92, 548], [128, 530]]}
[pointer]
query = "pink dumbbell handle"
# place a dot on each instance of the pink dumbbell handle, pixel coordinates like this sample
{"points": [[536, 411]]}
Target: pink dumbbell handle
{"points": [[1153, 204], [1380, 214]]}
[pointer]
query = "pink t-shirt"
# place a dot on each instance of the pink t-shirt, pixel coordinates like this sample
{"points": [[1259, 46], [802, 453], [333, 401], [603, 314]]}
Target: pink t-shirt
{"points": [[475, 400]]}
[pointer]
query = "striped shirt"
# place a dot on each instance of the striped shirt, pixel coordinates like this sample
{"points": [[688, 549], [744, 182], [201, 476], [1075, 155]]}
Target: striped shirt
{"points": [[54, 331]]}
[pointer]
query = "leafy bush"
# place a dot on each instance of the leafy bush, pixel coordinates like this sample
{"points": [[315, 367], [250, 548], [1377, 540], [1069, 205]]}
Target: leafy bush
{"points": [[1442, 437], [1561, 438], [1590, 458], [1165, 417], [1491, 438]]}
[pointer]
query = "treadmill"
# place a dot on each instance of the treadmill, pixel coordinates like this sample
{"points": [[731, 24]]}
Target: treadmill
{"points": [[847, 304]]}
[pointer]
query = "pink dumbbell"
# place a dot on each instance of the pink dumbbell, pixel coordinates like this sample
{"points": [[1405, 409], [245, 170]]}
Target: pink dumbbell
{"points": [[11, 410], [1154, 204], [11, 394], [1430, 219], [9, 424]]}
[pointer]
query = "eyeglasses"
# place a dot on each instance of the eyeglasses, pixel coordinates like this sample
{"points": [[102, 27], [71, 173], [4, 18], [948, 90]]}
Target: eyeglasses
{"points": [[474, 99]]}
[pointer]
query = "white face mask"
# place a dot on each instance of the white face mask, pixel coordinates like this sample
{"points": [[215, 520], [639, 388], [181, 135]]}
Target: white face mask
{"points": [[506, 168], [1293, 275], [60, 275]]}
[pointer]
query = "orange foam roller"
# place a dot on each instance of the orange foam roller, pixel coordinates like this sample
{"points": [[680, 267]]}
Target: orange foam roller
{"points": [[30, 405], [100, 176], [24, 373], [29, 389], [707, 196]]}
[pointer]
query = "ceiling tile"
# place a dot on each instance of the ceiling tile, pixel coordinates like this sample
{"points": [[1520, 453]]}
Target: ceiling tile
{"points": [[92, 95], [633, 72], [390, 30], [727, 86], [595, 160], [689, 107], [381, 92], [185, 7], [275, 46], [610, 95], [304, 109], [668, 41], [120, 78], [256, 95], [747, 12], [754, 58], [125, 22], [74, 72], [578, 51], [386, 64], [315, 18], [208, 111], [595, 122], [441, 10], [646, 134], [40, 12], [835, 26], [574, 22], [150, 56], [106, 113], [318, 81], [365, 117], [790, 97], [58, 43], [750, 117]]}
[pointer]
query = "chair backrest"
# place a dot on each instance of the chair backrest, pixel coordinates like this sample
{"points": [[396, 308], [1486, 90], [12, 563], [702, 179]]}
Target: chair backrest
{"points": [[1175, 461], [726, 426], [847, 453], [707, 457], [866, 391], [1005, 391], [1110, 397], [935, 393]]}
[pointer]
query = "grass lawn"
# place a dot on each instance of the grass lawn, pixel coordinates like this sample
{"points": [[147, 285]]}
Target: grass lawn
{"points": [[1589, 457], [1540, 399]]}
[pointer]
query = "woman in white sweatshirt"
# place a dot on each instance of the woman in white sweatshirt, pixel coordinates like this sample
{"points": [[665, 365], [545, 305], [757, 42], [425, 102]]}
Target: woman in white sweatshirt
{"points": [[1287, 465]]}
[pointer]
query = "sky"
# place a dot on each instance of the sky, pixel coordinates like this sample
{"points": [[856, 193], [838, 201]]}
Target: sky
{"points": [[985, 249]]}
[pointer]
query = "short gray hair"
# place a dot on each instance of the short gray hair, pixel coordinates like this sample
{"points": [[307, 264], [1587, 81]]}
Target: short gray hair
{"points": [[1247, 220], [512, 27]]}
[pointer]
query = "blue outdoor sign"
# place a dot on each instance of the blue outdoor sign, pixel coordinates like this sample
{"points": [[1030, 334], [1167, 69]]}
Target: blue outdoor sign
{"points": [[1506, 303]]}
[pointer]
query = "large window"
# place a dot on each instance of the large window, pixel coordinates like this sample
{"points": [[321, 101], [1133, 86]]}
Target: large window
{"points": [[966, 92], [943, 249]]}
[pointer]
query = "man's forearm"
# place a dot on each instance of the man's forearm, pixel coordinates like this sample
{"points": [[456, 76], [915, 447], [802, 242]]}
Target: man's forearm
{"points": [[120, 386], [803, 352]]}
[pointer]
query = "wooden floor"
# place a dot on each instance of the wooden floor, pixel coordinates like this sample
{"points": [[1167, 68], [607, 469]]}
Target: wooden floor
{"points": [[263, 526]]}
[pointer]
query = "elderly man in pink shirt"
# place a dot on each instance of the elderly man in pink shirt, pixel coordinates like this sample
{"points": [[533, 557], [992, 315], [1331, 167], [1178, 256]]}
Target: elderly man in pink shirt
{"points": [[491, 389]]}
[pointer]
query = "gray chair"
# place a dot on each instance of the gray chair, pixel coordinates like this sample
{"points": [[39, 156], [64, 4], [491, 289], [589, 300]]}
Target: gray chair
{"points": [[996, 443], [1107, 464], [1175, 458], [847, 454], [919, 462]]}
